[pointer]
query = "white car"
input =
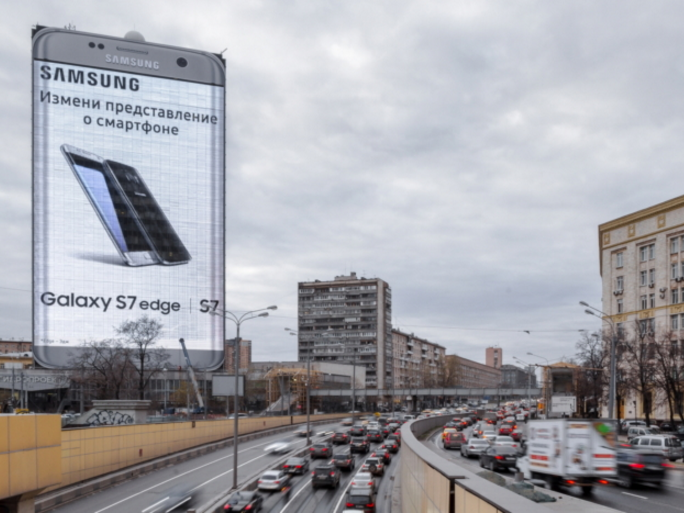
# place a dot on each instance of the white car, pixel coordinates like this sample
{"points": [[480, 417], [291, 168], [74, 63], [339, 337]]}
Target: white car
{"points": [[363, 480], [279, 447], [273, 480], [506, 441]]}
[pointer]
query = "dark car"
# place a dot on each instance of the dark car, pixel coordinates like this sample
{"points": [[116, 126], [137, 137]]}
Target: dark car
{"points": [[499, 457], [321, 450], [361, 499], [345, 460], [360, 444], [296, 465], [382, 421], [341, 437], [394, 438], [358, 430], [375, 435], [325, 475], [637, 467], [373, 466], [386, 430], [392, 447], [244, 501], [384, 455]]}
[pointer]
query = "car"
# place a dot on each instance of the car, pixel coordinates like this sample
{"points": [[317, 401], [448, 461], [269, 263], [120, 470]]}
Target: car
{"points": [[347, 422], [498, 457], [448, 430], [361, 499], [374, 466], [395, 437], [634, 467], [358, 430], [345, 460], [386, 430], [244, 500], [375, 435], [321, 450], [327, 475], [340, 437], [506, 429], [454, 440], [393, 426], [178, 496], [362, 480], [517, 435], [391, 447], [360, 444], [302, 432], [279, 447], [506, 441], [474, 447], [296, 466], [273, 480], [383, 454]]}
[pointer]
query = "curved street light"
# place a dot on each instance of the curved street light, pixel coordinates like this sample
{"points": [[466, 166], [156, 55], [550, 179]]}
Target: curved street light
{"points": [[238, 320], [308, 386]]}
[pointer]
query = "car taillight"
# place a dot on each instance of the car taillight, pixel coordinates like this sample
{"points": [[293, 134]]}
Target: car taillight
{"points": [[249, 507], [370, 484], [353, 483], [637, 466], [325, 449], [603, 481], [667, 465], [311, 448], [350, 505], [371, 505], [569, 481], [298, 466], [286, 466], [226, 507], [499, 457], [259, 481], [313, 473], [277, 482]]}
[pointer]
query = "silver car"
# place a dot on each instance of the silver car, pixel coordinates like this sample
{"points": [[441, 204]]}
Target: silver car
{"points": [[667, 445], [273, 480], [363, 480], [279, 447], [474, 447]]}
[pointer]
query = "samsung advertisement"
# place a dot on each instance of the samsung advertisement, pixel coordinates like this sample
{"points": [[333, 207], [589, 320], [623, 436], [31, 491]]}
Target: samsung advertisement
{"points": [[128, 194]]}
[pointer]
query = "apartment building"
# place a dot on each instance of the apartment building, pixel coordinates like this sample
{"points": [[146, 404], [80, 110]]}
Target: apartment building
{"points": [[642, 273], [15, 346], [417, 362], [348, 319], [494, 357], [471, 374], [513, 376]]}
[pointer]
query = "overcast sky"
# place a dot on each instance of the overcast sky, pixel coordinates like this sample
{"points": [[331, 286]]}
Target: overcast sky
{"points": [[465, 152]]}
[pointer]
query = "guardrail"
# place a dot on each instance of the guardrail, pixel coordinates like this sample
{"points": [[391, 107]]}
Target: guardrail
{"points": [[430, 482]]}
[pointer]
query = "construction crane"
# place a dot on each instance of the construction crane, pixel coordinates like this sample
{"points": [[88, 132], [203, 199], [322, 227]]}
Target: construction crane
{"points": [[192, 374]]}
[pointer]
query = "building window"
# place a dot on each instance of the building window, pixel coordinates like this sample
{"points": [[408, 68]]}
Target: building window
{"points": [[674, 245], [642, 278], [651, 276], [675, 296], [651, 300], [620, 283], [620, 306], [651, 251], [674, 271], [674, 322], [643, 254], [619, 259], [620, 329], [644, 302]]}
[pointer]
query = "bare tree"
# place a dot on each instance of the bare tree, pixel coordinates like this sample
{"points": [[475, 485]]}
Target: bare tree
{"points": [[593, 357], [639, 372], [140, 336], [668, 374], [104, 366]]}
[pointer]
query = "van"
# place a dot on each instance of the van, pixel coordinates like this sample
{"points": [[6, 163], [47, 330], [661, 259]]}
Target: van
{"points": [[667, 445]]}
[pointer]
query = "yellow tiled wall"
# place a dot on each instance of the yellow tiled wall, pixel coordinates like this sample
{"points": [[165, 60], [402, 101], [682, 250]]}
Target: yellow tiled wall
{"points": [[30, 453]]}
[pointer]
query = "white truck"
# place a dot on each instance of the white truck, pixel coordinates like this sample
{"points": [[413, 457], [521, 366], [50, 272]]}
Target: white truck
{"points": [[570, 452]]}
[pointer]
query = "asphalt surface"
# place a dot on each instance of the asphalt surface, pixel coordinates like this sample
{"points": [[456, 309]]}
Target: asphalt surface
{"points": [[639, 499], [211, 474]]}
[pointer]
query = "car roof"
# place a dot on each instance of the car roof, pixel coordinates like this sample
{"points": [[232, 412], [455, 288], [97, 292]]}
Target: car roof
{"points": [[270, 473]]}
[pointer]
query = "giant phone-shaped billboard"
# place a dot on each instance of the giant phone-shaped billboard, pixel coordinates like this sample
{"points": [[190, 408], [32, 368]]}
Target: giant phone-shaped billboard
{"points": [[128, 194]]}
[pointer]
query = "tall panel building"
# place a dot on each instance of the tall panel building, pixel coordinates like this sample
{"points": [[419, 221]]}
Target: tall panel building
{"points": [[348, 320]]}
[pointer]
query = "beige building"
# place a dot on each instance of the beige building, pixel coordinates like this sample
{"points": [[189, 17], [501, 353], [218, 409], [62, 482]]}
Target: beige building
{"points": [[642, 272], [348, 320], [494, 357], [417, 362], [472, 374], [15, 346]]}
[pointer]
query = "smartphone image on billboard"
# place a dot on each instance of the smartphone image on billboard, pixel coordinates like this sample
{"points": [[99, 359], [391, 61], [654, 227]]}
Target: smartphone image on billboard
{"points": [[111, 207], [166, 243]]}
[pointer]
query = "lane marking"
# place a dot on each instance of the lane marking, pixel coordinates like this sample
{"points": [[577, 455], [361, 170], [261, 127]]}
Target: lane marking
{"points": [[193, 470], [634, 495], [295, 496], [155, 504]]}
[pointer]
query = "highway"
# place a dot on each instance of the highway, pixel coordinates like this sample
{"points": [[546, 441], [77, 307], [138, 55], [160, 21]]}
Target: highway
{"points": [[635, 500], [211, 474]]}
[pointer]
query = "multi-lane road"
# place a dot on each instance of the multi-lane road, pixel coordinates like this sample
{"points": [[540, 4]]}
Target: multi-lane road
{"points": [[669, 498], [209, 475]]}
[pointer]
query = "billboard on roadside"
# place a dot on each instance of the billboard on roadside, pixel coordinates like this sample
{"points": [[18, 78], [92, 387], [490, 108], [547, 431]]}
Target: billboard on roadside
{"points": [[128, 193]]}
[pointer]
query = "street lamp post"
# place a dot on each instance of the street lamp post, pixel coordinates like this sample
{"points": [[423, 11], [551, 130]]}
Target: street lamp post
{"points": [[529, 379], [238, 320], [308, 387], [165, 390], [547, 382], [613, 342]]}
